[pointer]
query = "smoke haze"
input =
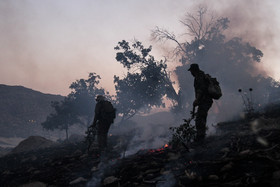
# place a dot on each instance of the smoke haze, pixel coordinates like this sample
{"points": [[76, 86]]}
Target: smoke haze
{"points": [[48, 45], [255, 22]]}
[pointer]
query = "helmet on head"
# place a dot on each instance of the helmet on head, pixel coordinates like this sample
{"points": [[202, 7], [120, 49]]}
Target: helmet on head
{"points": [[194, 67], [100, 98]]}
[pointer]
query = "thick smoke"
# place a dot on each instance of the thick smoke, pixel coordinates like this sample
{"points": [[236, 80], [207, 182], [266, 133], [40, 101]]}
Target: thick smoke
{"points": [[251, 27], [144, 132], [255, 22], [247, 31], [251, 24]]}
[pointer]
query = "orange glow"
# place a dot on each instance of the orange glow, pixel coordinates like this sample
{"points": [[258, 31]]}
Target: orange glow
{"points": [[160, 150]]}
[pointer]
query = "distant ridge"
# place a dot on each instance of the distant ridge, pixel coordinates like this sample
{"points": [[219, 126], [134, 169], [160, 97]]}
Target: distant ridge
{"points": [[4, 87], [23, 110]]}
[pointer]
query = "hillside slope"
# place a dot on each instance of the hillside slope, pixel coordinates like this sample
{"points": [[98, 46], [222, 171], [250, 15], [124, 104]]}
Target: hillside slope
{"points": [[242, 153], [23, 109]]}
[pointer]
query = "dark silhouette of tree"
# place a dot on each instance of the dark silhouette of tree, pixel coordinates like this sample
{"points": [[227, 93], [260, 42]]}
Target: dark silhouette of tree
{"points": [[232, 61], [63, 117], [78, 107], [146, 82], [83, 96]]}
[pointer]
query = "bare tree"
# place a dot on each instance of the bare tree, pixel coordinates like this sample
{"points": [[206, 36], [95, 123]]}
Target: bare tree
{"points": [[197, 26], [160, 34]]}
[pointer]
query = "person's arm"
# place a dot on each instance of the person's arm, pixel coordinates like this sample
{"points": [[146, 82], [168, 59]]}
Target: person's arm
{"points": [[198, 97], [94, 121], [96, 114], [199, 89]]}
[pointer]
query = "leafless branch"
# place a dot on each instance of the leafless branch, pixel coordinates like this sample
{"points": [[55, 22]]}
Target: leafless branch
{"points": [[197, 25], [160, 34]]}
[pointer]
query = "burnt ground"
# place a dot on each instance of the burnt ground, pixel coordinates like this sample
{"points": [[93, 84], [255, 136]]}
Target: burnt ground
{"points": [[237, 157], [242, 153]]}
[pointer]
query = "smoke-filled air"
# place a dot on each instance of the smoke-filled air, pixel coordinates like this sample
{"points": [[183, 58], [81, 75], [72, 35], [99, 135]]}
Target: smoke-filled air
{"points": [[146, 93]]}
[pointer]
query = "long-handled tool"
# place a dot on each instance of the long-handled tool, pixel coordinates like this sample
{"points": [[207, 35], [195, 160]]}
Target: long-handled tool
{"points": [[91, 133]]}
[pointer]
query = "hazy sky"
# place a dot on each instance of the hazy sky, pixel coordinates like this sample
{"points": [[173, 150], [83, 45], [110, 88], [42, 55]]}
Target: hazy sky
{"points": [[47, 44]]}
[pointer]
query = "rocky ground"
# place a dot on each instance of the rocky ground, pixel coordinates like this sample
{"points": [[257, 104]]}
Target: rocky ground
{"points": [[242, 153]]}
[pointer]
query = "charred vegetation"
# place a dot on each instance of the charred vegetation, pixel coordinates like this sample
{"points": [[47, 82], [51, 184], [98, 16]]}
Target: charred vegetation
{"points": [[242, 153]]}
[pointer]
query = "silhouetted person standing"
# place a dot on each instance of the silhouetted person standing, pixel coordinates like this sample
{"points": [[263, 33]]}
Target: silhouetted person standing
{"points": [[103, 118], [202, 99]]}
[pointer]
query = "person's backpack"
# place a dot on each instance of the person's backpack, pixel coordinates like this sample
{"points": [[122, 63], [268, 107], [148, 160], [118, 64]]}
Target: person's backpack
{"points": [[214, 89], [108, 111]]}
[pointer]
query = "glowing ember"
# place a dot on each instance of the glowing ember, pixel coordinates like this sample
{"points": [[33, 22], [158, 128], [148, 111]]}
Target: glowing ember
{"points": [[160, 150]]}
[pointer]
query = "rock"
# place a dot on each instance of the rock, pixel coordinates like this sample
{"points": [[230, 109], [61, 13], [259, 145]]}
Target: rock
{"points": [[173, 156], [30, 169], [152, 171], [227, 167], [163, 172], [33, 143], [190, 175], [84, 156], [150, 176], [78, 180], [140, 178], [276, 175], [7, 172], [225, 150], [36, 172], [28, 159], [33, 158], [78, 152], [245, 152], [262, 141], [184, 180], [213, 177], [94, 169], [75, 138], [255, 126], [34, 184], [110, 180]]}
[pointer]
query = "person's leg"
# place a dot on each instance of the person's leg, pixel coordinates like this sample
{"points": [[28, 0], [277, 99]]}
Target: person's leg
{"points": [[200, 124], [102, 134], [102, 141], [200, 121]]}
